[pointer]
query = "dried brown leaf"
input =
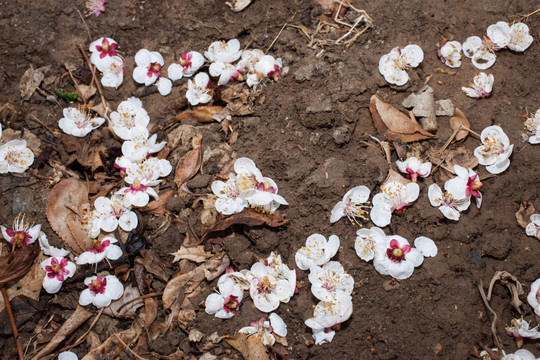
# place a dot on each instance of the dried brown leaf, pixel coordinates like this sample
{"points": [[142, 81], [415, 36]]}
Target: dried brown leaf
{"points": [[31, 80], [17, 263], [188, 165], [249, 217], [150, 311], [192, 253], [202, 114], [158, 207], [23, 309], [461, 156], [66, 197], [69, 327], [394, 124], [85, 92], [251, 347], [394, 176], [512, 283], [458, 120], [153, 264], [117, 307], [523, 215], [102, 109], [174, 288]]}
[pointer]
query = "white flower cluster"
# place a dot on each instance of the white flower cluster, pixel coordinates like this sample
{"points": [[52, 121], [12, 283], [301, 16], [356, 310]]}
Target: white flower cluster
{"points": [[247, 187], [532, 124], [392, 255], [15, 156], [457, 193], [329, 283], [104, 57], [414, 168], [270, 282], [495, 151], [481, 86], [264, 329], [482, 51], [393, 65]]}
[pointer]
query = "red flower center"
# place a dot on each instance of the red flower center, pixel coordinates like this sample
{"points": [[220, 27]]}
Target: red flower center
{"points": [[395, 252], [265, 186], [154, 69], [19, 238], [106, 49], [98, 285], [185, 60], [57, 269], [473, 186], [98, 246], [231, 303]]}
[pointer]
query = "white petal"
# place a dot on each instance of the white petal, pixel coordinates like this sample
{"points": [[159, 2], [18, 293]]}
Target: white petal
{"points": [[164, 86], [435, 195], [380, 215], [86, 297], [175, 72], [140, 74], [142, 58], [128, 221], [321, 336], [337, 212], [279, 326], [214, 303], [67, 355], [51, 285], [413, 55], [426, 246]]}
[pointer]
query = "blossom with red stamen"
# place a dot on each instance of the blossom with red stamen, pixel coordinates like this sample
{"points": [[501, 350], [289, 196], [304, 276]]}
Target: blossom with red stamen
{"points": [[399, 259], [101, 290], [104, 249], [58, 270], [22, 233]]}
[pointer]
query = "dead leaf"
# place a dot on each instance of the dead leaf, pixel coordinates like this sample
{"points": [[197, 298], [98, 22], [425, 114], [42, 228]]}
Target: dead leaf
{"points": [[238, 5], [127, 336], [102, 109], [202, 114], [459, 120], [523, 215], [240, 101], [85, 92], [17, 263], [23, 309], [512, 283], [249, 217], [188, 165], [461, 156], [394, 124], [66, 197], [195, 335], [153, 264], [130, 293], [10, 112], [70, 326], [31, 80], [158, 207], [192, 253], [174, 288], [394, 176], [150, 311], [251, 347]]}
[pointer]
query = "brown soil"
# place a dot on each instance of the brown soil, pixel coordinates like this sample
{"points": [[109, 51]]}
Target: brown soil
{"points": [[310, 136]]}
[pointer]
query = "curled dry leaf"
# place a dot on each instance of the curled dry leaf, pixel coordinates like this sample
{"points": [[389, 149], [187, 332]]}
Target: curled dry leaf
{"points": [[127, 336], [66, 200], [17, 263], [102, 109], [394, 124], [158, 207], [153, 264], [117, 307], [512, 283], [150, 311], [523, 215], [31, 80], [175, 288], [459, 120], [85, 92], [251, 347], [79, 316], [202, 114], [238, 5], [10, 112], [249, 217], [192, 253], [23, 309], [188, 165]]}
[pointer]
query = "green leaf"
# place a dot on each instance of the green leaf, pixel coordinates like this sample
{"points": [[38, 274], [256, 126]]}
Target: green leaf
{"points": [[70, 97]]}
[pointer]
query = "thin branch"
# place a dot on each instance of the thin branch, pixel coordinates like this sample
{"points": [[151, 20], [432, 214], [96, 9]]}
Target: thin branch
{"points": [[42, 124], [494, 322], [129, 349], [279, 33], [12, 323], [93, 70], [86, 26]]}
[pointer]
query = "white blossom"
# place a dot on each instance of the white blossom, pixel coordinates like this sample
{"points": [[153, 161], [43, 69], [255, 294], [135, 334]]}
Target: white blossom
{"points": [[112, 68], [521, 354], [141, 145], [399, 259], [450, 54], [352, 205], [22, 232], [533, 297], [393, 65], [532, 124], [148, 68], [481, 52], [100, 250], [465, 184], [164, 86], [102, 49], [225, 52], [57, 270], [79, 123], [263, 329], [449, 202], [414, 167], [228, 193], [328, 317], [329, 281], [520, 39], [187, 66], [112, 212], [520, 329], [426, 246], [15, 157], [481, 86], [533, 228], [48, 249], [495, 151], [101, 291], [225, 71], [224, 303], [317, 251], [198, 91], [129, 115], [369, 242], [393, 198]]}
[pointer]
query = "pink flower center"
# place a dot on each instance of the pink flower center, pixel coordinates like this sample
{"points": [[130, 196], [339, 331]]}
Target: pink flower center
{"points": [[136, 187], [274, 73], [19, 238], [473, 186], [411, 174], [395, 252], [185, 60], [98, 247], [231, 303], [265, 186], [106, 49], [154, 69], [329, 286], [57, 269], [98, 285], [265, 286]]}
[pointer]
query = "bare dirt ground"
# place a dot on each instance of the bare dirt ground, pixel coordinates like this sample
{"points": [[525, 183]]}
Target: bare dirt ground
{"points": [[311, 135]]}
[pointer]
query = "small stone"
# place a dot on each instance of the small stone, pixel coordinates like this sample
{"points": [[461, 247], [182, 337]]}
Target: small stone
{"points": [[309, 343], [320, 105], [444, 107], [437, 349], [341, 135], [306, 72]]}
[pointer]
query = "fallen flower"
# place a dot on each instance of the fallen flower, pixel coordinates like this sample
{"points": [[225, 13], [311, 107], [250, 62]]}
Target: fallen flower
{"points": [[393, 65], [426, 246], [264, 196], [263, 329], [317, 251], [113, 71], [22, 233], [148, 68], [95, 7], [533, 228], [495, 151], [137, 194], [100, 250], [532, 124], [198, 91], [450, 204], [450, 54], [330, 281], [226, 301], [226, 72], [328, 317], [352, 205], [141, 145], [146, 172], [369, 242], [481, 52], [393, 198], [399, 259], [520, 39], [269, 67], [15, 157], [465, 184], [187, 66], [249, 59], [79, 123], [520, 329], [164, 86], [480, 87], [129, 115], [112, 212], [414, 168], [101, 291], [228, 193], [521, 354], [224, 52], [101, 49], [534, 296], [57, 270]]}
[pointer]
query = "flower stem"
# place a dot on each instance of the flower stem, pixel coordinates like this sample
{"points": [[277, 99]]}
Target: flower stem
{"points": [[12, 323]]}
